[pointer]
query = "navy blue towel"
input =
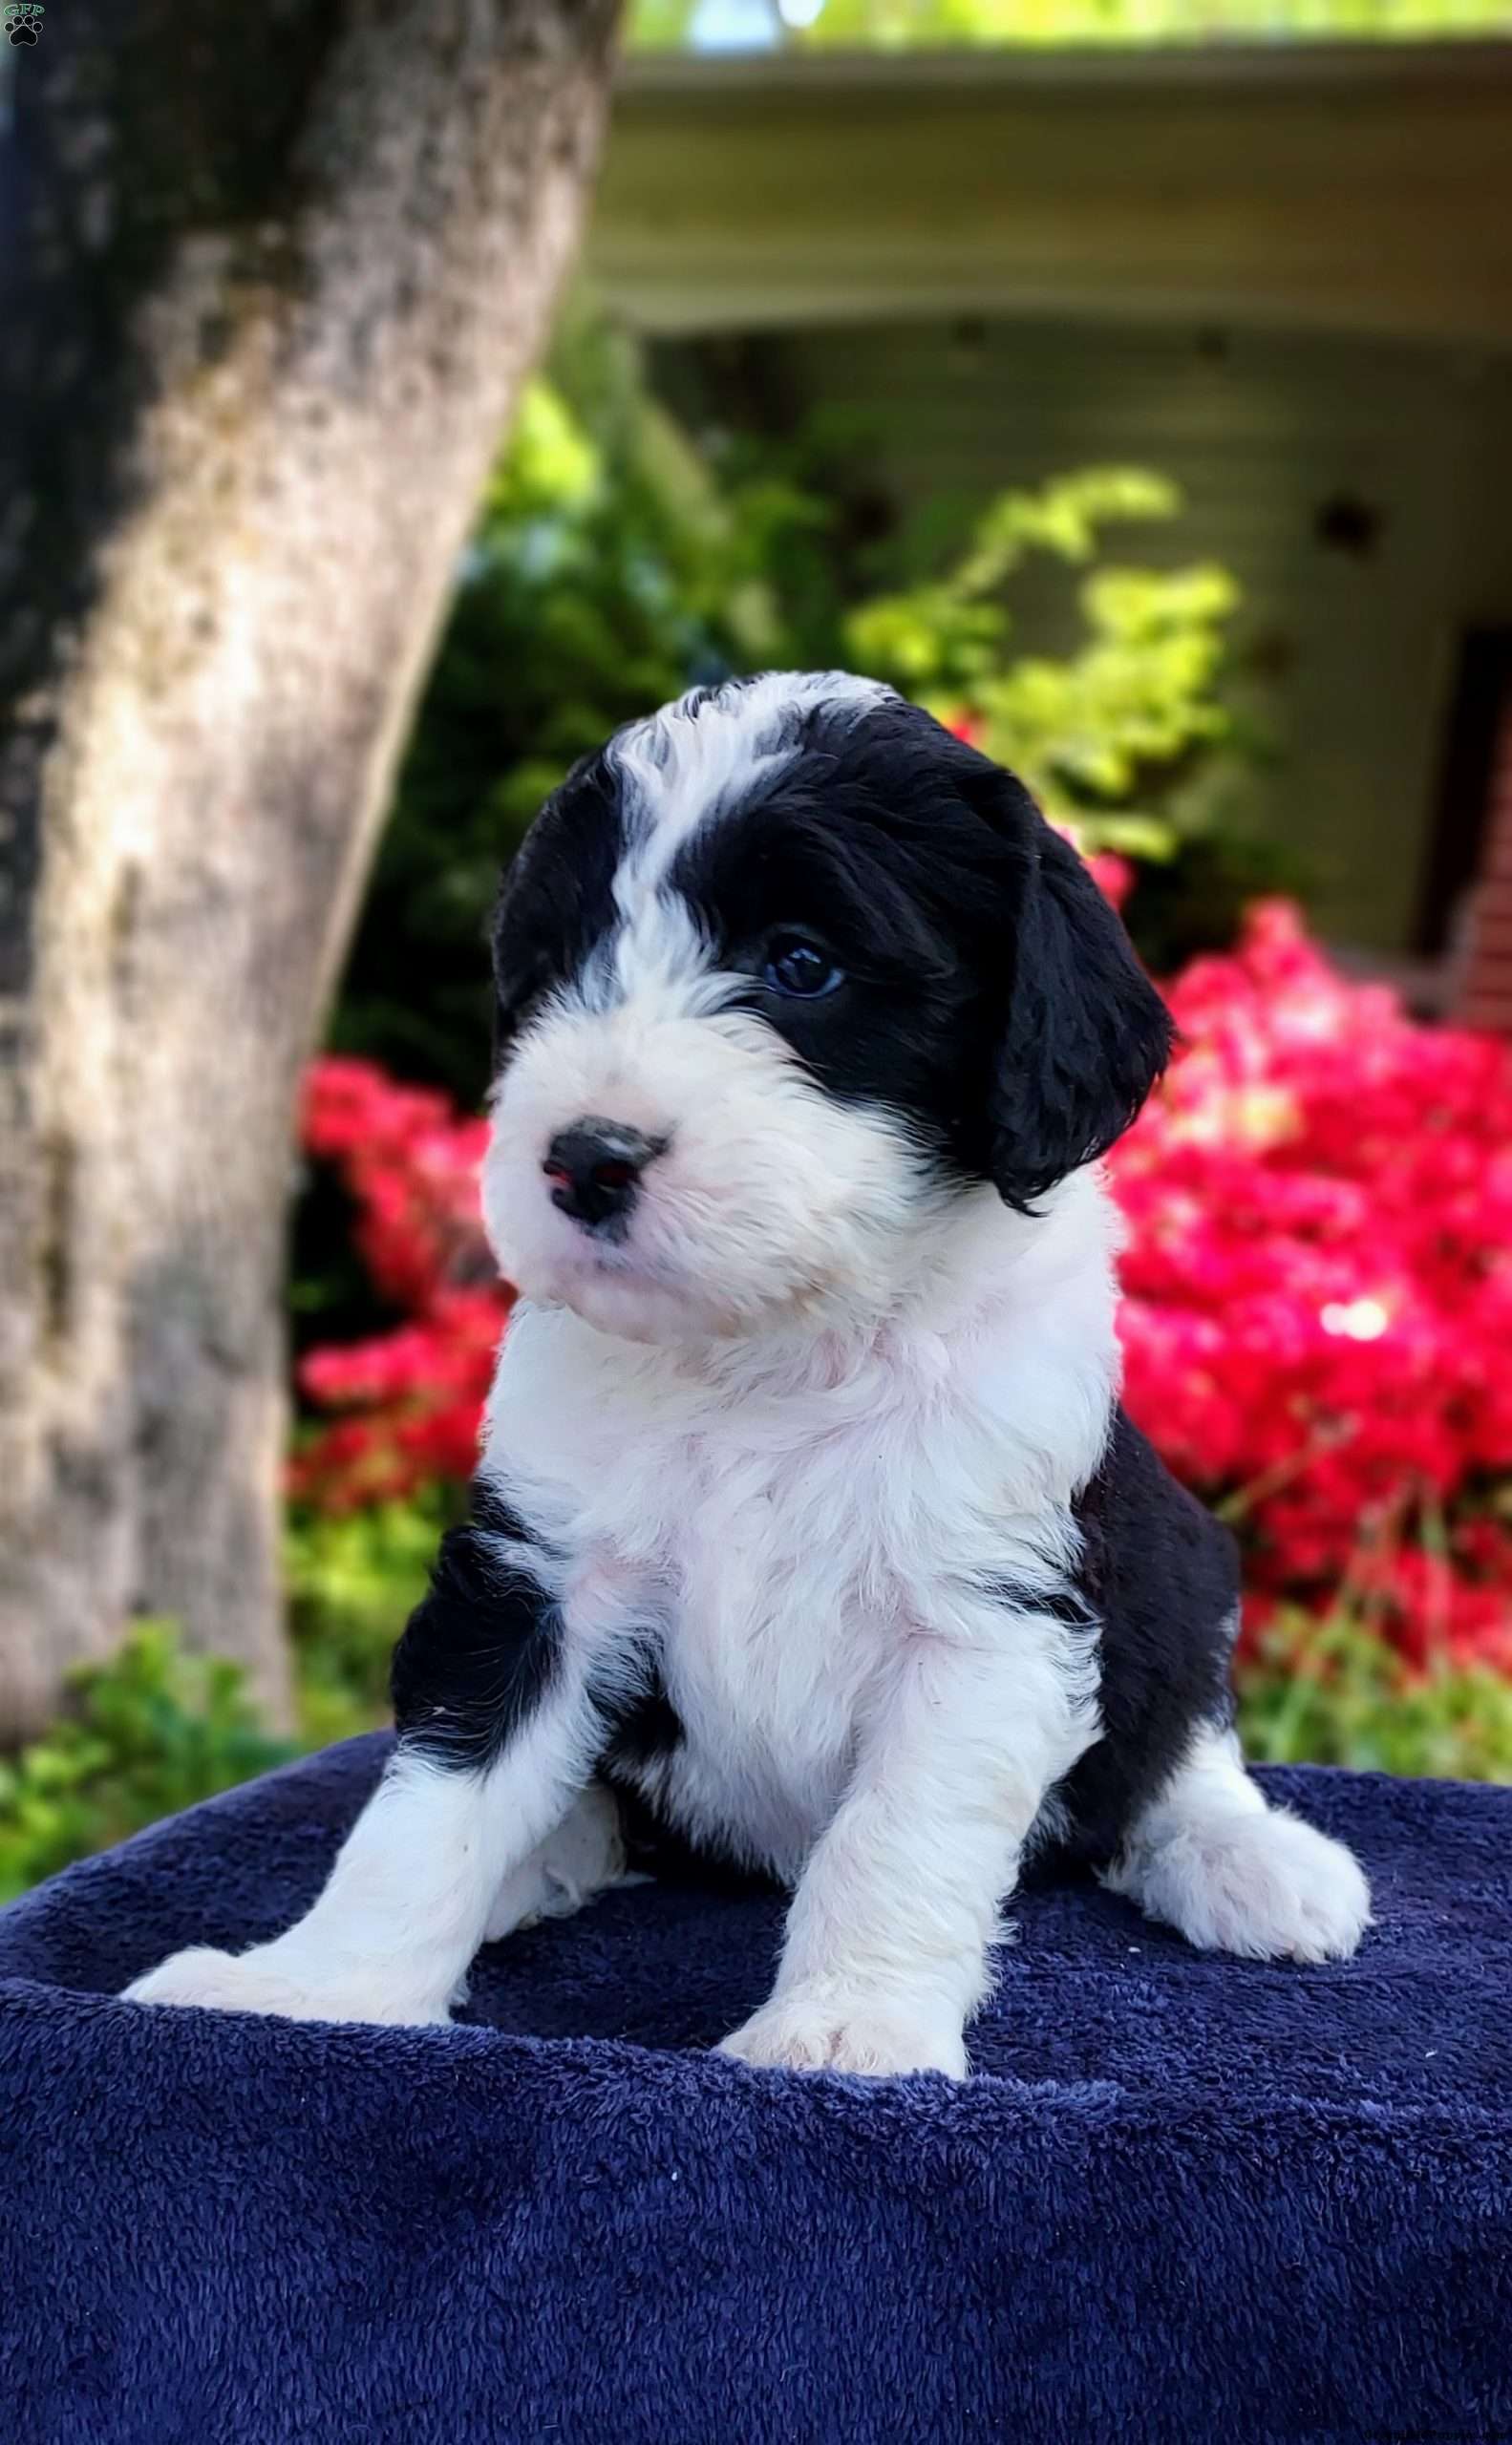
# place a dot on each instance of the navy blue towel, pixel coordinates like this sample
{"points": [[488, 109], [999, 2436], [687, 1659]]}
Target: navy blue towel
{"points": [[1183, 2198]]}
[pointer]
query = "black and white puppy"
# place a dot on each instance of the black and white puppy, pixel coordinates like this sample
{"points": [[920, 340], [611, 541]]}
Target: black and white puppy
{"points": [[807, 1523]]}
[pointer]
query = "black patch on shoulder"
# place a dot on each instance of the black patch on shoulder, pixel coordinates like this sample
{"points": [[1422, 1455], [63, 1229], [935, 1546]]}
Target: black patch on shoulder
{"points": [[556, 900], [481, 1650], [1161, 1576]]}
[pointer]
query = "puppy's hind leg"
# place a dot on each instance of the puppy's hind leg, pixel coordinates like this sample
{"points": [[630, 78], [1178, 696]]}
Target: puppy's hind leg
{"points": [[1211, 1857], [584, 1857]]}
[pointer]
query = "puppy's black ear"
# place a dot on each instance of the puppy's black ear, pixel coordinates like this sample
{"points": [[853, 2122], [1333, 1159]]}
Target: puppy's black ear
{"points": [[518, 964], [519, 959], [556, 899], [1086, 1036]]}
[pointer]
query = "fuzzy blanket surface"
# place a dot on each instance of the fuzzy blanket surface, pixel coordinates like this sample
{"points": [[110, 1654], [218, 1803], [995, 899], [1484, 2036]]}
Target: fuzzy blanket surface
{"points": [[1182, 2197]]}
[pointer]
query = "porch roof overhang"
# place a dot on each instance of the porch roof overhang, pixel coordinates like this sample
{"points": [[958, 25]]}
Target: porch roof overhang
{"points": [[1356, 188]]}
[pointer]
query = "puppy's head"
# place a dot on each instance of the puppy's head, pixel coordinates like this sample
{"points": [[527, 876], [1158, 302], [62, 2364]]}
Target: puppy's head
{"points": [[779, 973]]}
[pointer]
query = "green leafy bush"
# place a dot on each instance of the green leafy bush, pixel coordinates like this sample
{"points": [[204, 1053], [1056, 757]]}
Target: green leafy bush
{"points": [[146, 1734], [353, 1578], [1104, 735], [155, 1729], [1333, 1694]]}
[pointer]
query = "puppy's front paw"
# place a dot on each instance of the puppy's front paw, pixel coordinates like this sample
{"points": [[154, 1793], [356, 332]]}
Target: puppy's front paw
{"points": [[272, 1980], [801, 2032]]}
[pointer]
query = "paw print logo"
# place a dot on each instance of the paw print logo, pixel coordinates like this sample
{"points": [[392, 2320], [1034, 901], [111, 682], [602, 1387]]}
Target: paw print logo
{"points": [[23, 22]]}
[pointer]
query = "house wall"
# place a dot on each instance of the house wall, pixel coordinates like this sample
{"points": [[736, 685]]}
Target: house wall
{"points": [[1279, 273], [1362, 187], [1346, 650]]}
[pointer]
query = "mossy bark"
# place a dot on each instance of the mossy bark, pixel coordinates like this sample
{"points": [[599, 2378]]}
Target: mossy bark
{"points": [[270, 282]]}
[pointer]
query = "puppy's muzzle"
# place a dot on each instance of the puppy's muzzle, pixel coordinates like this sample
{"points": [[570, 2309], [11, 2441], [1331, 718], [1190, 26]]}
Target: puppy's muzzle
{"points": [[595, 1171]]}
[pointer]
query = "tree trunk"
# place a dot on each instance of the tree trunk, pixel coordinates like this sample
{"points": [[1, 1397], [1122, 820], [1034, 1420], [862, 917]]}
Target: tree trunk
{"points": [[270, 282]]}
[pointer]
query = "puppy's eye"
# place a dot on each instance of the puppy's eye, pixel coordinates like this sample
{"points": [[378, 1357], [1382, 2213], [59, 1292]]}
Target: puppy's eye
{"points": [[800, 967]]}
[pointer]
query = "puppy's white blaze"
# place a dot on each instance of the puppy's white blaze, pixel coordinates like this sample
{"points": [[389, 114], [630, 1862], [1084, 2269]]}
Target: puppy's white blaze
{"points": [[659, 959], [681, 766], [828, 1516]]}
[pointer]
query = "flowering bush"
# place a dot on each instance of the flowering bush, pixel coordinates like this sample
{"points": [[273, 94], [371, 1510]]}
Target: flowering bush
{"points": [[404, 1405], [1318, 1284]]}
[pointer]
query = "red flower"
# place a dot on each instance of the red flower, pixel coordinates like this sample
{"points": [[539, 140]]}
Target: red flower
{"points": [[1318, 1281], [406, 1405]]}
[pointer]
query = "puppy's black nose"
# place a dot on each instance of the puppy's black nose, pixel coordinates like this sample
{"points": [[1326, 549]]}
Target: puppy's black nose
{"points": [[595, 1170]]}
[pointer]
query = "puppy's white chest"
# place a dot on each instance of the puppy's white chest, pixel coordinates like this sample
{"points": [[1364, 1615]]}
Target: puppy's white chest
{"points": [[783, 1608], [785, 1540]]}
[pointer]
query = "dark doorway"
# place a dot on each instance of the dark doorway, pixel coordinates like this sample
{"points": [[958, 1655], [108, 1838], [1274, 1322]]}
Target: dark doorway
{"points": [[1463, 802]]}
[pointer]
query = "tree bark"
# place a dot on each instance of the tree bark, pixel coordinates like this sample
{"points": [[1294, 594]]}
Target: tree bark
{"points": [[270, 280]]}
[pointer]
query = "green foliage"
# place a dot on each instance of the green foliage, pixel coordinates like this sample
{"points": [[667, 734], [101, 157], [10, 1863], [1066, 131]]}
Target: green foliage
{"points": [[146, 1734], [155, 1729], [1103, 735], [893, 25], [1336, 1694], [352, 1580]]}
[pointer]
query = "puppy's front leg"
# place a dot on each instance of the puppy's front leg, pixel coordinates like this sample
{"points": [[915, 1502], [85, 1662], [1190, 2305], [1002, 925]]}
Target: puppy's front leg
{"points": [[889, 1937], [496, 1733]]}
